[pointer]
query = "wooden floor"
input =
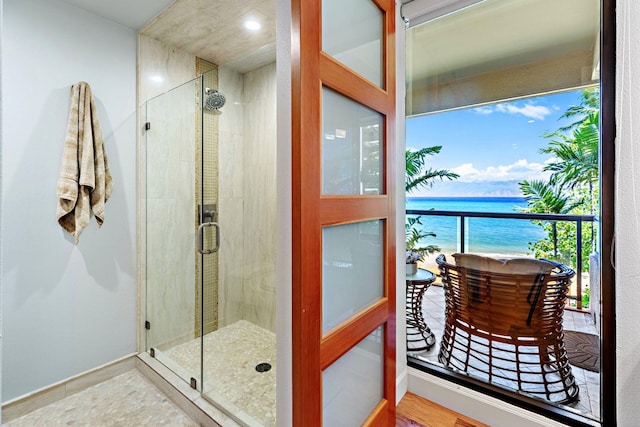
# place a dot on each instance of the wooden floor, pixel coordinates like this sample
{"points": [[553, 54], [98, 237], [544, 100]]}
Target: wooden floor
{"points": [[414, 411]]}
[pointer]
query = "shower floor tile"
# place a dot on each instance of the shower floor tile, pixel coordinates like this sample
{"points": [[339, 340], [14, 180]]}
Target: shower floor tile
{"points": [[126, 400], [231, 380]]}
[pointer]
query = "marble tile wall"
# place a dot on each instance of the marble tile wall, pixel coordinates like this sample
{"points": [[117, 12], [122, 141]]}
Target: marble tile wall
{"points": [[170, 216], [231, 197], [247, 196], [168, 156], [161, 68], [260, 196]]}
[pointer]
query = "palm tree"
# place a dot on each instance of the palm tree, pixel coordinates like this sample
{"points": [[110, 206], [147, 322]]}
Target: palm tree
{"points": [[416, 177], [576, 154], [589, 106], [544, 197], [576, 147], [413, 235]]}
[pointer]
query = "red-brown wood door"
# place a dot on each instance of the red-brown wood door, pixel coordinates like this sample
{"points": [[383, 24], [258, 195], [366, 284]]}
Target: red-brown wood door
{"points": [[343, 127]]}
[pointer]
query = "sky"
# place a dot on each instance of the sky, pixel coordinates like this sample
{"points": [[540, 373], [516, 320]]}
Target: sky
{"points": [[492, 147]]}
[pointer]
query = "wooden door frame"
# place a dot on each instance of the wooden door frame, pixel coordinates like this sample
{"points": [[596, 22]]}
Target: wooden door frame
{"points": [[312, 352]]}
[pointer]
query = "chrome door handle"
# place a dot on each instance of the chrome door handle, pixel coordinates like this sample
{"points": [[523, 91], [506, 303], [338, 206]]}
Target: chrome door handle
{"points": [[201, 237]]}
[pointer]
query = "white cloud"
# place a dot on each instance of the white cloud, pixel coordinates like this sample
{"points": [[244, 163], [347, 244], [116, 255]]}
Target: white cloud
{"points": [[517, 171], [483, 110], [533, 111], [537, 112], [465, 169], [552, 160]]}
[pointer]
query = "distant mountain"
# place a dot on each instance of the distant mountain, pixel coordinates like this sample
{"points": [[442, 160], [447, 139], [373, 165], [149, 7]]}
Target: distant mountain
{"points": [[472, 189]]}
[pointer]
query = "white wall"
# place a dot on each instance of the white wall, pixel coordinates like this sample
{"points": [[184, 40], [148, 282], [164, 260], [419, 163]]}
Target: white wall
{"points": [[66, 308], [627, 208]]}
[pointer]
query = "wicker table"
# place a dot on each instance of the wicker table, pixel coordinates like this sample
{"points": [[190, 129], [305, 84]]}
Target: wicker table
{"points": [[419, 336]]}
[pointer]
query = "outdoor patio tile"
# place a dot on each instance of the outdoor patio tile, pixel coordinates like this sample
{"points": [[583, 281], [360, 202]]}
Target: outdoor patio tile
{"points": [[592, 377], [595, 406], [579, 376], [594, 390]]}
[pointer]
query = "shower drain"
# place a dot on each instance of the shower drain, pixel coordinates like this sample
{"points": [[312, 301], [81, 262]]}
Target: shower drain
{"points": [[263, 367]]}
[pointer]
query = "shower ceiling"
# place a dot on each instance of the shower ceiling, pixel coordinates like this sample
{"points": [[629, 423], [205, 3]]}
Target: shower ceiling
{"points": [[214, 30]]}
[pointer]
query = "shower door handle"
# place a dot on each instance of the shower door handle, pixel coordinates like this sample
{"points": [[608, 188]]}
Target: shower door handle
{"points": [[201, 237]]}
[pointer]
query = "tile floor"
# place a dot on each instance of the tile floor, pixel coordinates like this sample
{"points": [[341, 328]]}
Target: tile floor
{"points": [[231, 355], [126, 400], [589, 382], [231, 380]]}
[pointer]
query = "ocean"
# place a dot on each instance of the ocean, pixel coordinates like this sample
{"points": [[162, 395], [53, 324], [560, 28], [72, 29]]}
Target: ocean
{"points": [[487, 235]]}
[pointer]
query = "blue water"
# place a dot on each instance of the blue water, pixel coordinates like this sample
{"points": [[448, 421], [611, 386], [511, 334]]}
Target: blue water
{"points": [[488, 235]]}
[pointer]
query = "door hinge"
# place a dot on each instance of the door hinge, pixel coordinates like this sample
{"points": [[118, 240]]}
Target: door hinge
{"points": [[147, 325], [194, 383], [147, 126], [152, 352]]}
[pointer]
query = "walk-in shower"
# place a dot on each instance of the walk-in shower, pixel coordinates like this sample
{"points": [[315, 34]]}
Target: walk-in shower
{"points": [[210, 237]]}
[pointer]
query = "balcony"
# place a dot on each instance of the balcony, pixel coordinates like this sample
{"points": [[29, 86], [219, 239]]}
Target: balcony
{"points": [[577, 316], [580, 285]]}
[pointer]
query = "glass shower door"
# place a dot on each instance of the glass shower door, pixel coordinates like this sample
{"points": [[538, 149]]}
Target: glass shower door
{"points": [[172, 282], [210, 237], [238, 191]]}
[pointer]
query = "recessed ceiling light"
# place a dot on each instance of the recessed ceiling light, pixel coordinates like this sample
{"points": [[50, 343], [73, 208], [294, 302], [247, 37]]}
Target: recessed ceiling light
{"points": [[252, 24], [157, 78]]}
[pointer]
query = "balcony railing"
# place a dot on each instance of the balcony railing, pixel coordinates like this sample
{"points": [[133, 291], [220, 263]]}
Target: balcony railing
{"points": [[463, 215]]}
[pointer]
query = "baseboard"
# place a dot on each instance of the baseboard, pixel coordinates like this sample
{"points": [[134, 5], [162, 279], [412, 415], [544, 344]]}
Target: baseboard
{"points": [[178, 391], [30, 402], [472, 404], [402, 382]]}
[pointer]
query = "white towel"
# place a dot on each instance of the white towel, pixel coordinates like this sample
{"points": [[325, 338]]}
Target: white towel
{"points": [[85, 182]]}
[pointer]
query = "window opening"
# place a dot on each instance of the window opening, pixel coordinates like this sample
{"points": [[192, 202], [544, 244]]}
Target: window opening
{"points": [[506, 105]]}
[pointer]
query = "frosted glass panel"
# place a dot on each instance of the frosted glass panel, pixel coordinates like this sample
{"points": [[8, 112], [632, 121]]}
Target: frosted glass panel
{"points": [[352, 270], [351, 146], [352, 34], [352, 387]]}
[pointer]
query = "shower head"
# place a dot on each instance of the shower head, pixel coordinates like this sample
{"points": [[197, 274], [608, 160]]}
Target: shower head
{"points": [[215, 100]]}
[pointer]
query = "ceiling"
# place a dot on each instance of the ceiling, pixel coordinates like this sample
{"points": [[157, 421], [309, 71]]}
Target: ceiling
{"points": [[214, 30], [210, 29], [130, 13], [502, 49], [498, 32], [495, 32]]}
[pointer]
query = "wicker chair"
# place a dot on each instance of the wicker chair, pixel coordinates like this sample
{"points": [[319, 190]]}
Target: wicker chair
{"points": [[506, 328]]}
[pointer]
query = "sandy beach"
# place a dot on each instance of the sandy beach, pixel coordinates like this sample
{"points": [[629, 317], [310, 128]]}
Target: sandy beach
{"points": [[429, 262]]}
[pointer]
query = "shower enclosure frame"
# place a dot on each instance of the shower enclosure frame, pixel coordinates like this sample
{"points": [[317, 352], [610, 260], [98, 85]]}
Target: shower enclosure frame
{"points": [[205, 240]]}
